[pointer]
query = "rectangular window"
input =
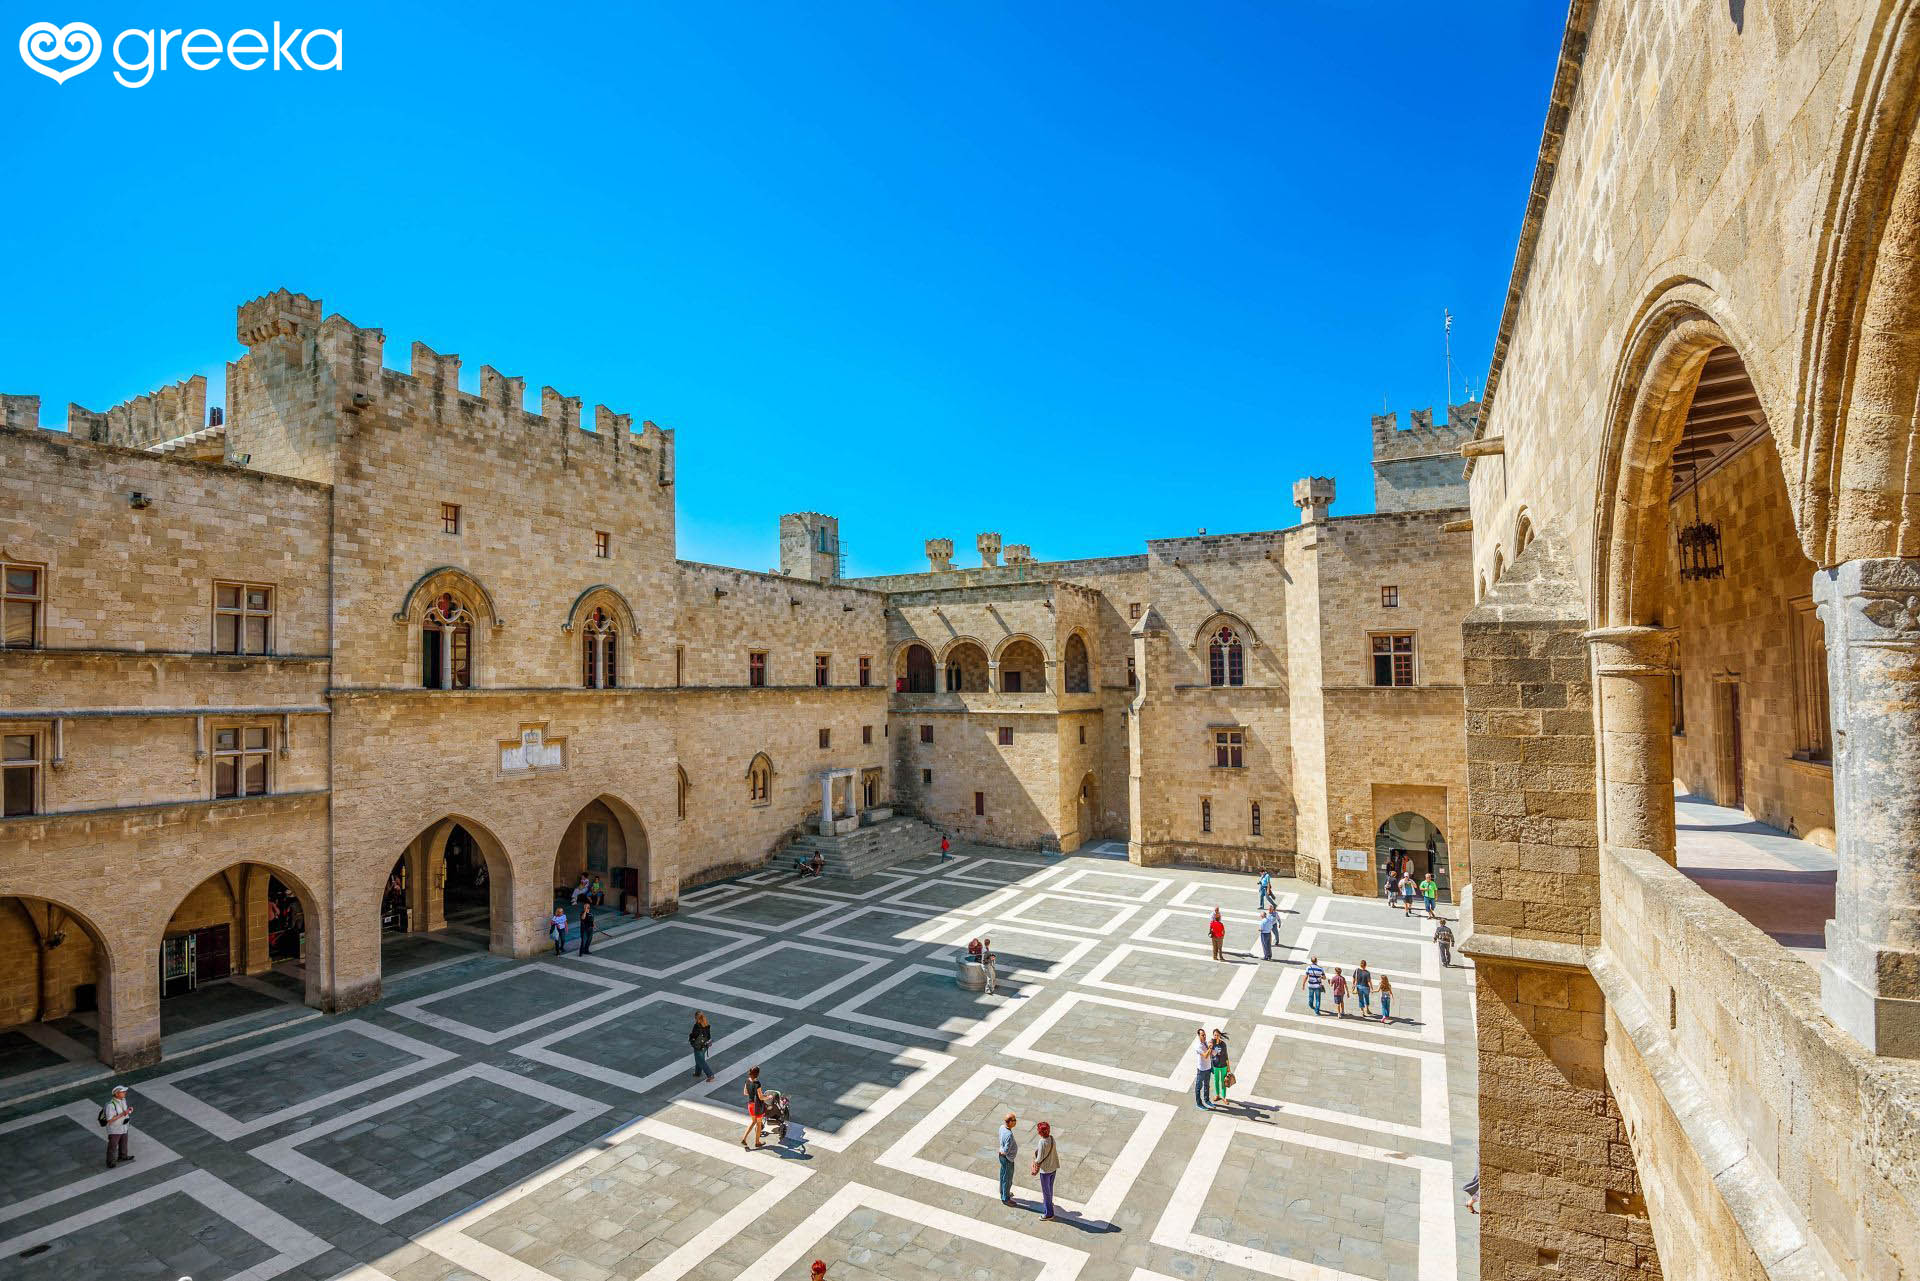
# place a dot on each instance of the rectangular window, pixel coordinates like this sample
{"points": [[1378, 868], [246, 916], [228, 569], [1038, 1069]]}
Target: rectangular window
{"points": [[866, 671], [1006, 736], [1133, 610], [242, 618], [866, 735], [1010, 682], [450, 517], [979, 802], [19, 774], [1206, 816], [1393, 659], [1253, 820], [1083, 734], [757, 668], [926, 733], [240, 761], [826, 739], [1679, 706], [1815, 727], [1389, 598], [1228, 748], [820, 669], [602, 544], [1132, 681], [926, 778], [679, 665], [20, 601]]}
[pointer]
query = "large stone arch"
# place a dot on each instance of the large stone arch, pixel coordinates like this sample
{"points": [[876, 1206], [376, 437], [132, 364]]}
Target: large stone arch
{"points": [[913, 667], [1022, 653], [1076, 663], [630, 846], [1856, 439], [108, 956], [964, 657], [507, 935], [315, 909]]}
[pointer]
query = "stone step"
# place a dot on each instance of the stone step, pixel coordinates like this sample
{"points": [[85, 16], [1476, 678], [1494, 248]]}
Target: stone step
{"points": [[864, 851]]}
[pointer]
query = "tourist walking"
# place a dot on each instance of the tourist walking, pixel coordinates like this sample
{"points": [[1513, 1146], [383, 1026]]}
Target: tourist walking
{"points": [[1221, 1065], [1046, 1164], [945, 847], [1266, 893], [117, 1116], [1429, 891], [1203, 1071], [990, 966], [1316, 981], [700, 1038], [1443, 938], [756, 1109], [1009, 1149], [1406, 891], [1217, 934], [1363, 989], [1338, 986], [586, 927], [557, 930], [1386, 999], [1473, 1193], [1269, 926]]}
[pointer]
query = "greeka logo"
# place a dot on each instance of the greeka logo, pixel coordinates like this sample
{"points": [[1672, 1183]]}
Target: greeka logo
{"points": [[61, 53]]}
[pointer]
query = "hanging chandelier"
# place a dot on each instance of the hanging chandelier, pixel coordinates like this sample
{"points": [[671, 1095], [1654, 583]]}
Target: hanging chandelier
{"points": [[1700, 556]]}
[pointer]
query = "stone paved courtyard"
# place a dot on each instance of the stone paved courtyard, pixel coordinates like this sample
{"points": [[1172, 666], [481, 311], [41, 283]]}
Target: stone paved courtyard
{"points": [[493, 1120]]}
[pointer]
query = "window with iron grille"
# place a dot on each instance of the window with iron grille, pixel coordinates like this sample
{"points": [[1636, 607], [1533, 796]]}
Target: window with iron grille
{"points": [[1253, 820], [1206, 816]]}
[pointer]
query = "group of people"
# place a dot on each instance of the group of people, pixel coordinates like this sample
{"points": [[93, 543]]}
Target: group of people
{"points": [[1045, 1163], [980, 950], [1362, 984], [1213, 1068], [557, 929], [1401, 891]]}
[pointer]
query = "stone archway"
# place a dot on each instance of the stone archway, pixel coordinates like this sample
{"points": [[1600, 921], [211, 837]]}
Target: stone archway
{"points": [[1077, 676], [224, 929], [1021, 666], [457, 881], [55, 965], [606, 839], [913, 669], [1409, 842], [966, 667]]}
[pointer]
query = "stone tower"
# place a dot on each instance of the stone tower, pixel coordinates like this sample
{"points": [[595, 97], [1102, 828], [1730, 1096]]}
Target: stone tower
{"points": [[939, 554], [989, 545], [1313, 495], [1420, 468], [810, 546]]}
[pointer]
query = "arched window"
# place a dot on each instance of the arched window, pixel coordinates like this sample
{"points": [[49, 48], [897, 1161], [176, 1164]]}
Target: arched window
{"points": [[760, 780], [1079, 669], [446, 645], [597, 653], [1225, 663], [680, 789]]}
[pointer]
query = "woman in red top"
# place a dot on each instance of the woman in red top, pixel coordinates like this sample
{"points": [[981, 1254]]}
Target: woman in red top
{"points": [[1217, 933]]}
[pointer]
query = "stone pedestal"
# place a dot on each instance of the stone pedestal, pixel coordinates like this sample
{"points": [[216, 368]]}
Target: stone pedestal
{"points": [[1870, 980], [1633, 686]]}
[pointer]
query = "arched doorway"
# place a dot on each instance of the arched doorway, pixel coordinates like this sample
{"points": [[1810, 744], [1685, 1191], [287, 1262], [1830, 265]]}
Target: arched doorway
{"points": [[55, 985], [1023, 667], [237, 946], [1087, 808], [607, 844], [966, 667], [914, 673], [1409, 843], [450, 888]]}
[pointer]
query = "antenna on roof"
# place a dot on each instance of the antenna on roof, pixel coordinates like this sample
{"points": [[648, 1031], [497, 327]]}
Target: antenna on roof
{"points": [[1447, 343]]}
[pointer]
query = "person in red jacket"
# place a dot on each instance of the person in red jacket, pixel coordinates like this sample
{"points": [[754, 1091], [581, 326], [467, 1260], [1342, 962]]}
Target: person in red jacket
{"points": [[1217, 933]]}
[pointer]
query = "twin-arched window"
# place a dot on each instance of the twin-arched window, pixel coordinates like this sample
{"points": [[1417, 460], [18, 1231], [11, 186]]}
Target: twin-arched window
{"points": [[1226, 664], [446, 644], [598, 653], [760, 780]]}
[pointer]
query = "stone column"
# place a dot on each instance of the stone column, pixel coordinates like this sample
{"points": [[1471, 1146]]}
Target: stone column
{"points": [[1870, 979], [1633, 690], [993, 676], [826, 804]]}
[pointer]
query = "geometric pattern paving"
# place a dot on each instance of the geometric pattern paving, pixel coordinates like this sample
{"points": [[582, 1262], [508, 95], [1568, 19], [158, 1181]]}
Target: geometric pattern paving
{"points": [[540, 1120]]}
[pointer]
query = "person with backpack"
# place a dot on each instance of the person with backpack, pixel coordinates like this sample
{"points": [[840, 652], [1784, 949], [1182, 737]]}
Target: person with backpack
{"points": [[557, 930], [700, 1038], [117, 1117], [1443, 938]]}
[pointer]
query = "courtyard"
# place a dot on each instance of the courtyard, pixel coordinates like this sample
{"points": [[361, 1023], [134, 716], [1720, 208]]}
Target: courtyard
{"points": [[538, 1120]]}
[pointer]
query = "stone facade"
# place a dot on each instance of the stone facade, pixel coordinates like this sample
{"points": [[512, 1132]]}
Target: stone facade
{"points": [[1418, 467], [373, 639]]}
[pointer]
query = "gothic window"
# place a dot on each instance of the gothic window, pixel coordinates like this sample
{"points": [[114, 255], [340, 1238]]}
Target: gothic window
{"points": [[1393, 659], [446, 645], [1229, 746], [19, 774], [1225, 663], [240, 755], [760, 780], [1814, 732], [20, 601], [242, 618], [598, 654], [680, 789]]}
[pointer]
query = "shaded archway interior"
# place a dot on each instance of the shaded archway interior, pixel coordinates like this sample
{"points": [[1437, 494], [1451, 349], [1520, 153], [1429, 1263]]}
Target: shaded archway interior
{"points": [[55, 986], [238, 945]]}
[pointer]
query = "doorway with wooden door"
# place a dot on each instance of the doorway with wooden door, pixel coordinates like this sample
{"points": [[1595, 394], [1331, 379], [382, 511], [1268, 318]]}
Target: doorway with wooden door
{"points": [[1732, 790]]}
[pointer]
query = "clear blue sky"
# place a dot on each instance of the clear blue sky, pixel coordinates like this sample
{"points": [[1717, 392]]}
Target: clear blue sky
{"points": [[1081, 273]]}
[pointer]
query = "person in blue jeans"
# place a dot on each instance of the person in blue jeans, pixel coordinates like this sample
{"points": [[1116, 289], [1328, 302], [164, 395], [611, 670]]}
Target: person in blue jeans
{"points": [[1203, 1071], [700, 1038], [1363, 988], [1009, 1149], [1316, 982], [1266, 892], [1269, 927]]}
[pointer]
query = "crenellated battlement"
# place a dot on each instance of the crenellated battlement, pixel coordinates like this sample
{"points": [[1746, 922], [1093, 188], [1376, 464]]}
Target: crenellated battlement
{"points": [[306, 378], [1422, 437], [163, 414]]}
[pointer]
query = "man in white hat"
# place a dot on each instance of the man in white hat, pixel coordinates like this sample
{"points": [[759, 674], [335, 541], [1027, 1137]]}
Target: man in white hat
{"points": [[117, 1116]]}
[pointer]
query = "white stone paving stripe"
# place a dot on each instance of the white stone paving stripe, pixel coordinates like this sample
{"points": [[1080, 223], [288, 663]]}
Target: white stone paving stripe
{"points": [[1432, 1028], [1181, 1076], [1239, 977], [727, 941], [1057, 1262], [989, 898], [719, 915], [1435, 1116], [1009, 998], [1153, 886], [417, 1009], [285, 1155], [1099, 1208], [166, 1090], [86, 1114], [764, 962], [959, 929], [1022, 912], [744, 1024], [924, 923], [1352, 949]]}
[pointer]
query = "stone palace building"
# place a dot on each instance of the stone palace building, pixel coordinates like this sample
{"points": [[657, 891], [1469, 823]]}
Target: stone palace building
{"points": [[366, 654]]}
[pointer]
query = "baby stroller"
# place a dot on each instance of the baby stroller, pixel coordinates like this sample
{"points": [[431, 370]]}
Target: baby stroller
{"points": [[779, 1116]]}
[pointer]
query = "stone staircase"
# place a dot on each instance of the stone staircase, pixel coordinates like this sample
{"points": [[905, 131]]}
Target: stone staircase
{"points": [[864, 851]]}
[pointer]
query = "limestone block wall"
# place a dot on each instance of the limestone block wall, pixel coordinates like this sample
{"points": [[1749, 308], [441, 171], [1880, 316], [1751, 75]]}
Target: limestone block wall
{"points": [[1022, 784], [1739, 630], [136, 760], [1419, 468], [724, 614], [281, 399], [1389, 751]]}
